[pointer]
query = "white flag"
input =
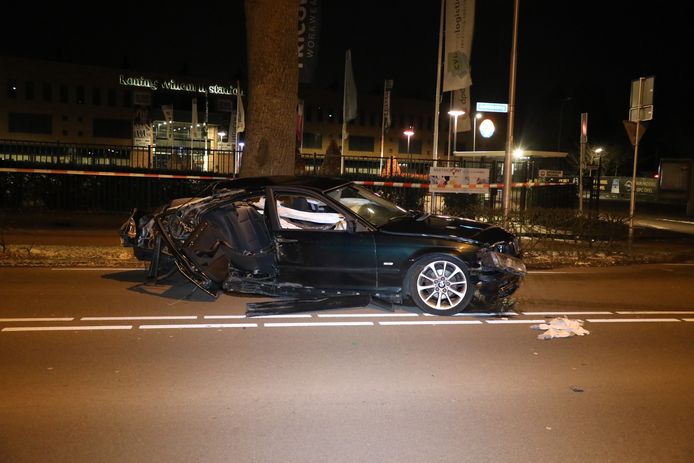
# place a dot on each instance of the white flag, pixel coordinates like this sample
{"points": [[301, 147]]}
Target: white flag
{"points": [[168, 117], [460, 22], [240, 114], [349, 110], [461, 101], [386, 104], [194, 119]]}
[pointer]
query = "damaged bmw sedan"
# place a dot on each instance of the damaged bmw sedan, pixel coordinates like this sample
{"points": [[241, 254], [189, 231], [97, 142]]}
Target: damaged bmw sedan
{"points": [[316, 243]]}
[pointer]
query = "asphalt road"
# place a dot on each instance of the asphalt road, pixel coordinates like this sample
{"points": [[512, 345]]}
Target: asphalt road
{"points": [[97, 367]]}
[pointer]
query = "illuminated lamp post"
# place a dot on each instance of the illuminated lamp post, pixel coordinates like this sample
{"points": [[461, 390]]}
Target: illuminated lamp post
{"points": [[408, 133], [455, 113], [474, 128]]}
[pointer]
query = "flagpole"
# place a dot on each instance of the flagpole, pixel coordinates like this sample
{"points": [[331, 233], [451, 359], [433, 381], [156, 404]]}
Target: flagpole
{"points": [[438, 88], [383, 127], [508, 158], [344, 122]]}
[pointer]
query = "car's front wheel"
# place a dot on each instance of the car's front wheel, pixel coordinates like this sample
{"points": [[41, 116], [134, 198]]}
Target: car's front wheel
{"points": [[440, 284]]}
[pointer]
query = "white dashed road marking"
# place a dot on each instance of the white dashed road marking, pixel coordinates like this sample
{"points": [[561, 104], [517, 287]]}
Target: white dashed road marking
{"points": [[249, 322], [632, 320], [175, 317], [288, 325], [511, 322], [443, 322], [68, 328], [199, 325]]}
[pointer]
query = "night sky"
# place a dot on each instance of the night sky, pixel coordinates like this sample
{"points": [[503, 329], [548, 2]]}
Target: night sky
{"points": [[573, 57]]}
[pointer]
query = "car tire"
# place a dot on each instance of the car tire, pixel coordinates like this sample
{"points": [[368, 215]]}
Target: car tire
{"points": [[440, 284]]}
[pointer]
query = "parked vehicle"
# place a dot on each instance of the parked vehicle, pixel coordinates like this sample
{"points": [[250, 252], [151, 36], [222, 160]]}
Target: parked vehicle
{"points": [[323, 242]]}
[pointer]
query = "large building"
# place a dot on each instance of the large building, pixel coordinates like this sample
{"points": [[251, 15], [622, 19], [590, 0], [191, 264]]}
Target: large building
{"points": [[55, 102]]}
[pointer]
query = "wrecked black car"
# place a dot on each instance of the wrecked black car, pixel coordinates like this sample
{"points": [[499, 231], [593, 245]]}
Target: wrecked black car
{"points": [[317, 242]]}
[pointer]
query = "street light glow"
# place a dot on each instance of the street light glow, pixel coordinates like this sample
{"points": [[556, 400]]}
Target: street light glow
{"points": [[456, 112], [518, 153], [487, 128]]}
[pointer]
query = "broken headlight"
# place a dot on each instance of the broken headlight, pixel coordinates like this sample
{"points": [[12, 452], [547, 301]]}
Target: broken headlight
{"points": [[504, 262]]}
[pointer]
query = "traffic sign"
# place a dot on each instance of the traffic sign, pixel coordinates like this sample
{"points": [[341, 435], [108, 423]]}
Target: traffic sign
{"points": [[631, 131], [641, 99], [544, 173], [492, 107]]}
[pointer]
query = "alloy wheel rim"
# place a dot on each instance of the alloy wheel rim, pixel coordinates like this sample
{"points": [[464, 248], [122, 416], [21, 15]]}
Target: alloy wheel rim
{"points": [[441, 285]]}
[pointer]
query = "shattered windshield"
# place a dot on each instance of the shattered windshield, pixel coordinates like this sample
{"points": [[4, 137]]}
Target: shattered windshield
{"points": [[366, 204]]}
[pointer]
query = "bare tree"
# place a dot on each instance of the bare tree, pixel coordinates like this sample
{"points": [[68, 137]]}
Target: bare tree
{"points": [[273, 83]]}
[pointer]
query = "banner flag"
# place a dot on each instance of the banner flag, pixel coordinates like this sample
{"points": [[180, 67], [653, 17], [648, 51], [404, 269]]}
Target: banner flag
{"points": [[460, 21], [240, 114], [299, 124], [168, 117], [194, 119], [461, 100], [350, 94], [386, 104], [309, 36]]}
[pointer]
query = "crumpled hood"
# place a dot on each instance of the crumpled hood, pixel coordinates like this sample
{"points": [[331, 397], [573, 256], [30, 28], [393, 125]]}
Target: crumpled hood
{"points": [[447, 227]]}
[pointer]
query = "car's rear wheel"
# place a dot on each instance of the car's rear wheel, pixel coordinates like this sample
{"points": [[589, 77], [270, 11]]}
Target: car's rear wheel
{"points": [[440, 284]]}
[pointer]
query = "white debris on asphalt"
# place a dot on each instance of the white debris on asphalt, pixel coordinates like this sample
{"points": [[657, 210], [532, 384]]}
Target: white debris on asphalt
{"points": [[561, 327]]}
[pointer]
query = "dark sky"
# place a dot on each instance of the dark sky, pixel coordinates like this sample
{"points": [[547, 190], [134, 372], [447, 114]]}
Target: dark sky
{"points": [[583, 54]]}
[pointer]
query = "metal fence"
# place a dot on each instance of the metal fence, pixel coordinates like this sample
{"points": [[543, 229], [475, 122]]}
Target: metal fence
{"points": [[181, 158], [130, 181]]}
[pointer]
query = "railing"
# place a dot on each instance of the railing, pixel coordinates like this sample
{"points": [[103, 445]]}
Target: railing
{"points": [[28, 186], [137, 157]]}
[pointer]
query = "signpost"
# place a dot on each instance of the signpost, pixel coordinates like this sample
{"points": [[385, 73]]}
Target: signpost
{"points": [[545, 173], [492, 107], [641, 109]]}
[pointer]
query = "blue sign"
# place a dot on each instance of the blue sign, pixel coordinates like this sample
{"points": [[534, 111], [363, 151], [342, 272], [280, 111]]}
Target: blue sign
{"points": [[492, 107]]}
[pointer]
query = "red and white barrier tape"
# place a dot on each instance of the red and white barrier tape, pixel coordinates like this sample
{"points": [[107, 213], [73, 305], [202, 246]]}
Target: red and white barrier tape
{"points": [[471, 186]]}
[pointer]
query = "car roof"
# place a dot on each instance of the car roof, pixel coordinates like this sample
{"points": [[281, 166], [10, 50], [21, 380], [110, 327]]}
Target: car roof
{"points": [[308, 181]]}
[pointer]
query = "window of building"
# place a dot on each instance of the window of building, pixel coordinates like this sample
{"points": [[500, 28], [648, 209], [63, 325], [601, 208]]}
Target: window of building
{"points": [[127, 98], [308, 113], [64, 93], [362, 117], [112, 128], [47, 91], [319, 114], [80, 133], [64, 133], [11, 88], [415, 146], [29, 90], [312, 140], [372, 119], [430, 123], [111, 97], [79, 94], [361, 143], [96, 96], [30, 123]]}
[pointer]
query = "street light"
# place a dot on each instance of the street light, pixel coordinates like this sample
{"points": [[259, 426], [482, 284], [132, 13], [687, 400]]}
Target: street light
{"points": [[474, 128], [408, 133], [455, 113]]}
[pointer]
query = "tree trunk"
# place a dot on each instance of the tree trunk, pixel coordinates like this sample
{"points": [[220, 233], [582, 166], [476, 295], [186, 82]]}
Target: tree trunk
{"points": [[273, 85]]}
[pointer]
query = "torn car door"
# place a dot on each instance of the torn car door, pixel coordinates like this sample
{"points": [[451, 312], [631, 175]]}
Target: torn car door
{"points": [[316, 247]]}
